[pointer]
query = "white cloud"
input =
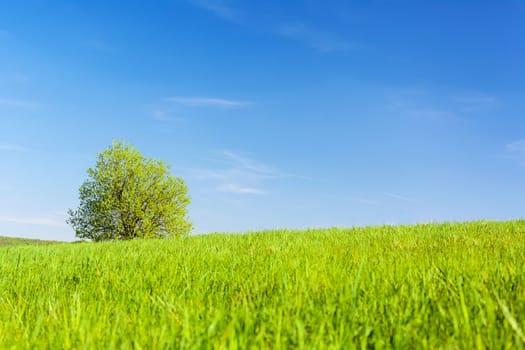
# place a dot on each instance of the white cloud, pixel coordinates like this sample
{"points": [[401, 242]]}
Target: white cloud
{"points": [[17, 103], [432, 106], [315, 38], [163, 116], [34, 221], [12, 77], [98, 45], [239, 174], [12, 147], [206, 102], [364, 200], [250, 165], [476, 98], [319, 40], [4, 34], [398, 196], [431, 114], [516, 150], [475, 102], [220, 8], [234, 188]]}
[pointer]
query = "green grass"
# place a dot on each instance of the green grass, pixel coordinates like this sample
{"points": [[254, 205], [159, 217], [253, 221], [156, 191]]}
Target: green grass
{"points": [[454, 286], [11, 241]]}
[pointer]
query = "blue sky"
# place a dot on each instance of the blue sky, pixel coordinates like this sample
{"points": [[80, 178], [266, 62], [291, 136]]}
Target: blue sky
{"points": [[303, 113]]}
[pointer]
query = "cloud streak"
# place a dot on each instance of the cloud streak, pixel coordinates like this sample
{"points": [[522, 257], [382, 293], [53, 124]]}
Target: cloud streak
{"points": [[162, 116], [431, 114], [12, 147], [17, 103], [398, 196], [34, 221], [516, 150], [316, 39], [250, 165], [4, 34], [14, 77], [234, 188], [240, 175], [206, 102], [475, 102], [432, 106], [98, 45], [364, 200], [219, 8]]}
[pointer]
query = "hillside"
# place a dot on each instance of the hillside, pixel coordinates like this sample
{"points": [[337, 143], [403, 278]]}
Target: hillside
{"points": [[454, 286], [12, 241]]}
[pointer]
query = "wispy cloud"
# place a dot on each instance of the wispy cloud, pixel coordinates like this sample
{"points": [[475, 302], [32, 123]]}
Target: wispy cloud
{"points": [[431, 114], [239, 174], [14, 77], [434, 106], [250, 165], [235, 188], [516, 150], [17, 103], [220, 8], [98, 45], [316, 39], [12, 147], [398, 196], [4, 34], [163, 116], [35, 221], [206, 102], [364, 200], [475, 102]]}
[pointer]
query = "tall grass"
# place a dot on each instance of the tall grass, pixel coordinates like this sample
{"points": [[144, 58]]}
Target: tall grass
{"points": [[425, 286]]}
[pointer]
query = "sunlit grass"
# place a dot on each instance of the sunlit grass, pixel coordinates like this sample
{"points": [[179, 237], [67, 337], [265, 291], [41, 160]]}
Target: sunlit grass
{"points": [[425, 286], [11, 241]]}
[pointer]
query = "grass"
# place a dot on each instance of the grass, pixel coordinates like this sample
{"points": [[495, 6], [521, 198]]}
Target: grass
{"points": [[11, 241], [456, 286]]}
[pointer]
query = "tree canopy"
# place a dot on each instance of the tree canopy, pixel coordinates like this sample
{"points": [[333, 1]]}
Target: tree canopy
{"points": [[129, 196]]}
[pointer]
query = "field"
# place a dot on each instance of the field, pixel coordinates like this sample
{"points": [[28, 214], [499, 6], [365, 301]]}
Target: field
{"points": [[456, 286], [9, 241]]}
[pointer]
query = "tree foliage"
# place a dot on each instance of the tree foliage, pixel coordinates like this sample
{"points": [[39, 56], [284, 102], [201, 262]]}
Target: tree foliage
{"points": [[128, 196]]}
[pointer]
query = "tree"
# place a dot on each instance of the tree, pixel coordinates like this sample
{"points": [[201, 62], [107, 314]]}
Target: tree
{"points": [[128, 196]]}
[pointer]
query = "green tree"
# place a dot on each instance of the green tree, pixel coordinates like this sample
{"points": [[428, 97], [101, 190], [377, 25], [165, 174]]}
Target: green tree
{"points": [[128, 196]]}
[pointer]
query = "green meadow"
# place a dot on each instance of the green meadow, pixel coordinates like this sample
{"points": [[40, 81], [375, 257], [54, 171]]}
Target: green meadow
{"points": [[453, 286], [11, 241]]}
